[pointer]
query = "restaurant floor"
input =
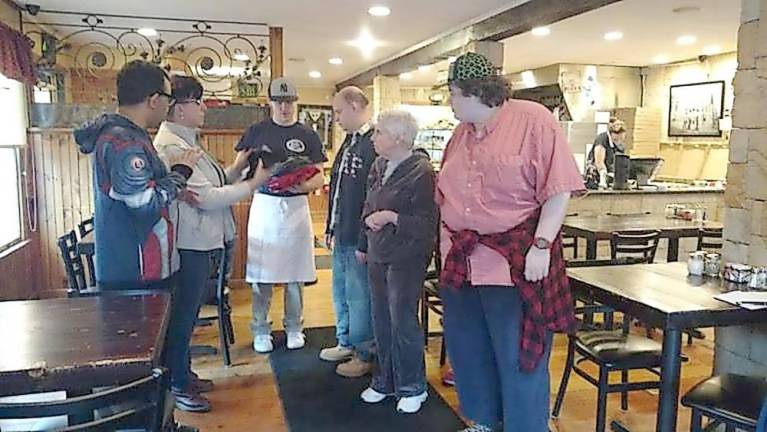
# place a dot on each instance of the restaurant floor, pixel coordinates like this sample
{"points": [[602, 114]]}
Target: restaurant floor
{"points": [[246, 397]]}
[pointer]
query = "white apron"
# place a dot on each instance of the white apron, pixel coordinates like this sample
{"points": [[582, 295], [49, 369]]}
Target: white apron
{"points": [[280, 240]]}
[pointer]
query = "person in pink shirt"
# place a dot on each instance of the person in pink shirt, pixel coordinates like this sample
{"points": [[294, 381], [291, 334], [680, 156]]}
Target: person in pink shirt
{"points": [[506, 179]]}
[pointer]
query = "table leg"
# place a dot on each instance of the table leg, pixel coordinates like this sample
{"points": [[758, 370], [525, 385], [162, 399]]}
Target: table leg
{"points": [[673, 249], [591, 248], [669, 386]]}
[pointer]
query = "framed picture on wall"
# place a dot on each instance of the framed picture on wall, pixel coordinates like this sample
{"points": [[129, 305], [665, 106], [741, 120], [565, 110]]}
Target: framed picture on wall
{"points": [[319, 118], [695, 109]]}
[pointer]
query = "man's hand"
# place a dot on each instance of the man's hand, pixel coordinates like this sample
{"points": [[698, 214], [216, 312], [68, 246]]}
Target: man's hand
{"points": [[537, 264], [189, 196], [377, 220], [187, 157], [241, 160], [362, 257], [329, 241], [261, 176]]}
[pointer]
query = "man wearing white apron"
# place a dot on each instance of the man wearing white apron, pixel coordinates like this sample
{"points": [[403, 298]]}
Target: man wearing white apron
{"points": [[280, 238]]}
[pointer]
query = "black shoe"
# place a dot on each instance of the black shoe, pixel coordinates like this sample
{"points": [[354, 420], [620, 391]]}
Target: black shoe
{"points": [[191, 401]]}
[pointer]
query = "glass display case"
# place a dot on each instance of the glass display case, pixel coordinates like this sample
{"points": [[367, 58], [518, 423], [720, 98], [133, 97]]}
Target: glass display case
{"points": [[434, 140]]}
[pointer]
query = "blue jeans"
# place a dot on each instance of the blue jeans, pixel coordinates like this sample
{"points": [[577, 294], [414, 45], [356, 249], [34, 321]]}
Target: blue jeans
{"points": [[351, 301], [192, 283], [482, 333]]}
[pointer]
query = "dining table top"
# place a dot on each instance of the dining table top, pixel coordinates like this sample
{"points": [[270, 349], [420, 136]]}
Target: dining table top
{"points": [[80, 343]]}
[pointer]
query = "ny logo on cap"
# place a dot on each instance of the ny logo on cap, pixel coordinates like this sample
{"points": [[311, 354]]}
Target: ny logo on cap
{"points": [[284, 87]]}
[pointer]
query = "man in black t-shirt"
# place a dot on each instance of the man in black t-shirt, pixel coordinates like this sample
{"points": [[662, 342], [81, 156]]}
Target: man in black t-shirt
{"points": [[280, 238]]}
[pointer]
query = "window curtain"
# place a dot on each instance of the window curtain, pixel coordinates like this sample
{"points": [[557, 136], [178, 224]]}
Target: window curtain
{"points": [[16, 60]]}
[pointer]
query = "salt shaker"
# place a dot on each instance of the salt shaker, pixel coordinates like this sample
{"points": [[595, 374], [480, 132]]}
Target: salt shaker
{"points": [[696, 263], [712, 265]]}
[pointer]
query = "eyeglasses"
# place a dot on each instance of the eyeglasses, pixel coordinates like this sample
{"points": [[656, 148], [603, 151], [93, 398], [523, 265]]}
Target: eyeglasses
{"points": [[197, 102], [162, 93]]}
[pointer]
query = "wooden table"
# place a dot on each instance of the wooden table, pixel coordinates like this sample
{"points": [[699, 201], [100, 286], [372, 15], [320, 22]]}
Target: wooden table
{"points": [[595, 228], [663, 296], [76, 344]]}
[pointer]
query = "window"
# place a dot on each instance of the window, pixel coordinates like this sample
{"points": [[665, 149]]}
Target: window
{"points": [[13, 123]]}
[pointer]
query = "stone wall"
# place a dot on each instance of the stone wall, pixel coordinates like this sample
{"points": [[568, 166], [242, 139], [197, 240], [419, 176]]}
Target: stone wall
{"points": [[744, 349]]}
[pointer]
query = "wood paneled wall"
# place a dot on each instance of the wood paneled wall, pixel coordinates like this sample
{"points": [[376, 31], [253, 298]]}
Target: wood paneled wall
{"points": [[65, 195]]}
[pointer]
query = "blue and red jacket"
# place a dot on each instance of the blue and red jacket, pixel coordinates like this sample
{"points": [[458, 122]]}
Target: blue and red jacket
{"points": [[134, 233]]}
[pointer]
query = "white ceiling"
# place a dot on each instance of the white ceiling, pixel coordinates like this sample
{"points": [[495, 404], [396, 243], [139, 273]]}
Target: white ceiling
{"points": [[316, 30], [650, 28]]}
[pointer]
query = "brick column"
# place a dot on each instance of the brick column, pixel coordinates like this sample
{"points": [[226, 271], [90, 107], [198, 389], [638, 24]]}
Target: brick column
{"points": [[744, 349], [386, 93]]}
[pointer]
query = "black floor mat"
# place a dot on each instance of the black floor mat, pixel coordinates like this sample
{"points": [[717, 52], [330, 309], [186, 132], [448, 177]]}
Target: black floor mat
{"points": [[315, 399]]}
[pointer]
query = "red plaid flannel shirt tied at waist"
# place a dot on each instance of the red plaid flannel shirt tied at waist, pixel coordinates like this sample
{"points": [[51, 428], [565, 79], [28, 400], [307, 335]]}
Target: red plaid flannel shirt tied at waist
{"points": [[547, 304]]}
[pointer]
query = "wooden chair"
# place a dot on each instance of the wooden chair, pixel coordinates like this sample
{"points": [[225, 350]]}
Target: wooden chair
{"points": [[735, 401], [220, 268], [709, 239], [610, 351], [139, 404], [570, 242], [73, 265], [643, 244], [431, 301], [84, 228]]}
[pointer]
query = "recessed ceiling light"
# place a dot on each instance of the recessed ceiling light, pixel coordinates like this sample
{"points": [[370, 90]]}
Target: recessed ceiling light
{"points": [[241, 57], [336, 61], [379, 11], [315, 74], [660, 59], [712, 50], [146, 31], [613, 36], [366, 43], [541, 31], [424, 68], [686, 40], [451, 59], [406, 76]]}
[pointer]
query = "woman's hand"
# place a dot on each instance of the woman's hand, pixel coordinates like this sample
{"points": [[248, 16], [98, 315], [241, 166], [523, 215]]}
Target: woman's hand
{"points": [[241, 160], [362, 257], [537, 264], [377, 220]]}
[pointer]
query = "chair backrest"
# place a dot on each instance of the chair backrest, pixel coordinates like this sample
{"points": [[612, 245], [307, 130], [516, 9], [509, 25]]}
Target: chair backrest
{"points": [[73, 263], [709, 239], [604, 262], [85, 227], [140, 403], [635, 243]]}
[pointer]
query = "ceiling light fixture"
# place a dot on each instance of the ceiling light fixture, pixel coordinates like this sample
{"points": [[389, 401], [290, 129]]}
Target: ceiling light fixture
{"points": [[366, 43], [686, 40], [613, 36], [528, 77], [241, 57], [660, 59], [712, 50], [379, 11], [424, 68], [451, 59], [406, 76], [336, 61], [541, 31], [315, 74], [146, 31]]}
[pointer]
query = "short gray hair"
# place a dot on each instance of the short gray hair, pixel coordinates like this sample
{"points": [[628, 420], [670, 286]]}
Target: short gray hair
{"points": [[400, 124]]}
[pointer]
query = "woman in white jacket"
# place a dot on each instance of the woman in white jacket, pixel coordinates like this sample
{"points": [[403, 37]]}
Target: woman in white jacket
{"points": [[202, 229]]}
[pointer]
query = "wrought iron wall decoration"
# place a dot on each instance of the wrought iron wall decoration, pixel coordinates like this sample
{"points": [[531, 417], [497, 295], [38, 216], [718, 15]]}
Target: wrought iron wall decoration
{"points": [[97, 43]]}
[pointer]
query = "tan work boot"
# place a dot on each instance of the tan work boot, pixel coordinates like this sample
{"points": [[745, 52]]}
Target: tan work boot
{"points": [[337, 353], [354, 368]]}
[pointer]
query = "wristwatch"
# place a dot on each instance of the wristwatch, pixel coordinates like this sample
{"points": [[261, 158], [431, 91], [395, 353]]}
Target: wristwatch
{"points": [[541, 243]]}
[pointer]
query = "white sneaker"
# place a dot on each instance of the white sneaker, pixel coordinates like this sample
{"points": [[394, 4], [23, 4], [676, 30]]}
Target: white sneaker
{"points": [[371, 396], [296, 340], [263, 344], [412, 404], [336, 354]]}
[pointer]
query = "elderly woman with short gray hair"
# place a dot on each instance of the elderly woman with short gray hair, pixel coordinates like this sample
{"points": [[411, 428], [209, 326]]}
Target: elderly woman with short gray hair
{"points": [[397, 240]]}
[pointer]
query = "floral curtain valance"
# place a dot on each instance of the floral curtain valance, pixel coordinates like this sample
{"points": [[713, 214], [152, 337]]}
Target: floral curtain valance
{"points": [[16, 60]]}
